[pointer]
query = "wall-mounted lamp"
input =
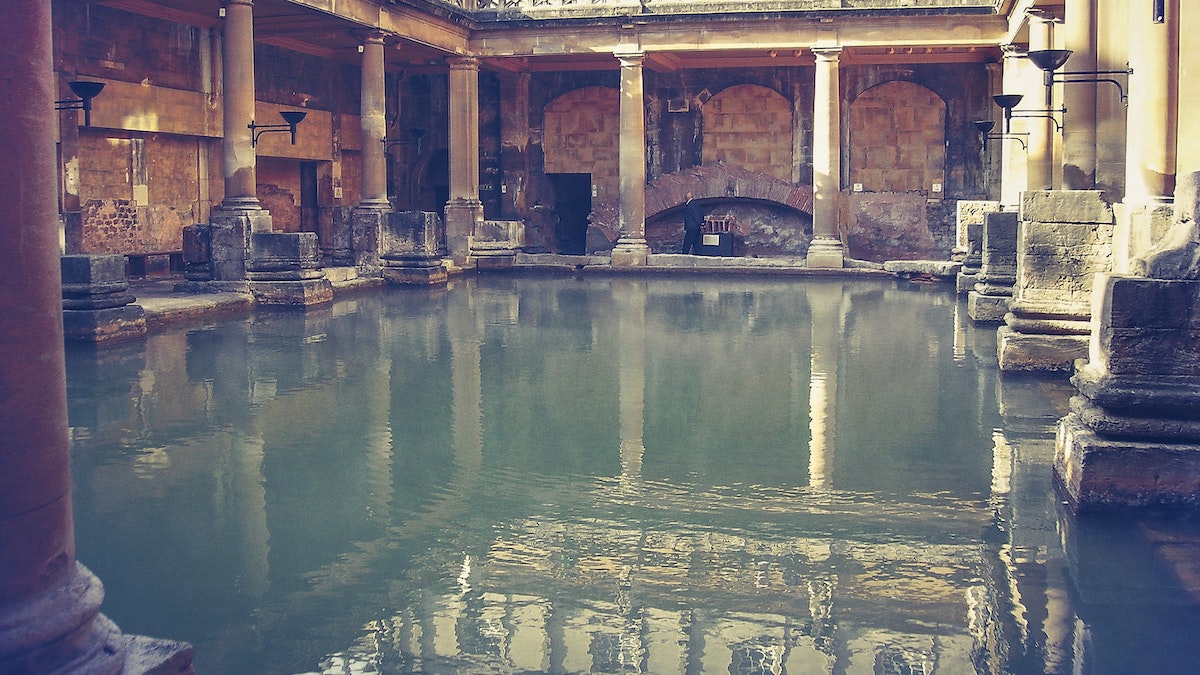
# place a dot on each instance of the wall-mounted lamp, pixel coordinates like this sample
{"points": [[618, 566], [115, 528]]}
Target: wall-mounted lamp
{"points": [[1009, 101], [984, 127], [292, 117], [1050, 60], [416, 134], [86, 91]]}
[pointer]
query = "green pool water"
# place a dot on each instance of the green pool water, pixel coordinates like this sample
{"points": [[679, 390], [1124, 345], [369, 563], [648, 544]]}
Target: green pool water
{"points": [[610, 474]]}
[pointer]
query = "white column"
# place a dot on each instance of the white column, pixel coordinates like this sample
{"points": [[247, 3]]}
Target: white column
{"points": [[374, 123], [1041, 135], [826, 248], [464, 207]]}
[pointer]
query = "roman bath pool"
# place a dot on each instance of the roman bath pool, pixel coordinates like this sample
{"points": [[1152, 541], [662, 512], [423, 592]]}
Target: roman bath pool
{"points": [[610, 474]]}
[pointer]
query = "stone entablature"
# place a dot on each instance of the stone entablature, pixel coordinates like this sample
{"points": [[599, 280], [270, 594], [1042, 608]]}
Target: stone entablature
{"points": [[553, 9]]}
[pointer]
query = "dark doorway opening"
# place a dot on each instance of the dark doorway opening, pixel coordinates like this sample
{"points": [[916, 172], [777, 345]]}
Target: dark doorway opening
{"points": [[310, 212], [573, 204]]}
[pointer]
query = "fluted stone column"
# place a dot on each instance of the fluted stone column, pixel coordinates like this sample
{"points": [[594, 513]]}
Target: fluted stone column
{"points": [[631, 248], [368, 217], [49, 603], [826, 249], [1149, 157], [464, 209], [1079, 134]]}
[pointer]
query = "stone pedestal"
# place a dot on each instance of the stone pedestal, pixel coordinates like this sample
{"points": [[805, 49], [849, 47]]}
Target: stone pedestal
{"points": [[366, 224], [284, 270], [1133, 435], [97, 306], [462, 216], [988, 301], [411, 246], [495, 243], [969, 248], [826, 253], [631, 253], [1065, 240], [229, 240]]}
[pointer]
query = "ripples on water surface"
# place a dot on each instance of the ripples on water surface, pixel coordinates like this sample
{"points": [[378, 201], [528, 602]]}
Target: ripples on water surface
{"points": [[521, 475]]}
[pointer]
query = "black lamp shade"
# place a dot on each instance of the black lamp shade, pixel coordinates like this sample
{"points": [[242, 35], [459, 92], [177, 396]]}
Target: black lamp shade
{"points": [[86, 90], [1049, 60], [1007, 101], [293, 117], [984, 126]]}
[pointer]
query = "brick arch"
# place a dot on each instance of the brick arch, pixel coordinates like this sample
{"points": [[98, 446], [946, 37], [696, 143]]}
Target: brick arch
{"points": [[722, 181]]}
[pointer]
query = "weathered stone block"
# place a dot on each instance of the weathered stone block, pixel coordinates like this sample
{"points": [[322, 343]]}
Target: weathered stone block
{"points": [[1099, 472], [1040, 351], [93, 271], [105, 325], [1135, 302], [1065, 206], [984, 308], [282, 251], [412, 235]]}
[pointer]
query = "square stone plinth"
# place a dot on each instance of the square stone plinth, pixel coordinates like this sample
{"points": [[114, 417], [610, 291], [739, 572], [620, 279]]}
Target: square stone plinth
{"points": [[987, 308], [1039, 351], [305, 293], [1099, 472], [105, 325]]}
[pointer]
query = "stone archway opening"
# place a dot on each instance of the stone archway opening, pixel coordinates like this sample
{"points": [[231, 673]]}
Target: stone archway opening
{"points": [[771, 217]]}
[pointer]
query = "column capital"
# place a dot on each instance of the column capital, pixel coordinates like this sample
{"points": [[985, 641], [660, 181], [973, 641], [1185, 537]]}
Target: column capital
{"points": [[463, 62], [832, 54], [630, 59], [376, 37]]}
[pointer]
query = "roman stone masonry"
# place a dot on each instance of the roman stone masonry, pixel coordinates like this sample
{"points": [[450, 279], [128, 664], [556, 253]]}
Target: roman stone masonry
{"points": [[97, 306], [284, 270], [970, 217], [1133, 435], [1065, 239], [494, 243], [411, 247], [988, 302]]}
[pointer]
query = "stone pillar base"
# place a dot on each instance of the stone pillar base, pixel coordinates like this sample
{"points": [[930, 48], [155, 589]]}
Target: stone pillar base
{"points": [[965, 282], [295, 293], [416, 275], [229, 239], [105, 325], [366, 224], [1097, 472], [461, 218], [630, 255], [826, 253], [1038, 351], [985, 308], [96, 304]]}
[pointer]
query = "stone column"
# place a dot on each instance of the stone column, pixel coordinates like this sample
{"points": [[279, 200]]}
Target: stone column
{"points": [[224, 243], [1079, 134], [988, 302], [1065, 239], [1015, 158], [464, 209], [49, 603], [969, 220], [1150, 136], [826, 248], [631, 248], [368, 216], [1041, 136]]}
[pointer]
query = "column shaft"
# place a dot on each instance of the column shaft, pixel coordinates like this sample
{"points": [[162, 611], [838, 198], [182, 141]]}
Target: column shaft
{"points": [[237, 60], [374, 122], [1041, 136], [826, 249], [1149, 163], [464, 208], [1079, 134], [631, 247]]}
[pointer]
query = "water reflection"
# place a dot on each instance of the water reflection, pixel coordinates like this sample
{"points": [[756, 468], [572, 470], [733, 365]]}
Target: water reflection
{"points": [[609, 475]]}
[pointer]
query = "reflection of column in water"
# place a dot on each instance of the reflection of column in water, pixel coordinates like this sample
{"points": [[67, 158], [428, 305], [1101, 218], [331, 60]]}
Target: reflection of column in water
{"points": [[960, 332], [528, 643], [631, 298], [825, 302], [379, 440], [247, 501]]}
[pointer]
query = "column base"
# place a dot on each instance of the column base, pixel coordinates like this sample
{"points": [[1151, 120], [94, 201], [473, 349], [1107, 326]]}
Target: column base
{"points": [[417, 275], [826, 253], [630, 253], [105, 325], [297, 293], [1097, 472], [965, 282], [1030, 352], [986, 308]]}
